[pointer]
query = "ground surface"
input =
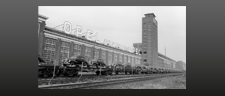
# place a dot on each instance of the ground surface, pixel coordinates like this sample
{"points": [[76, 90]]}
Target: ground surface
{"points": [[175, 82]]}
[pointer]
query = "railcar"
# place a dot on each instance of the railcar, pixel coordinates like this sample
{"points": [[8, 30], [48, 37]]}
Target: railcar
{"points": [[119, 68], [128, 69], [137, 69], [70, 67], [101, 68], [46, 69], [144, 70]]}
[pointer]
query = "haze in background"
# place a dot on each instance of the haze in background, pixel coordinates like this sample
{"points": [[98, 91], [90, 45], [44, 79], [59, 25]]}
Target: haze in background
{"points": [[123, 24]]}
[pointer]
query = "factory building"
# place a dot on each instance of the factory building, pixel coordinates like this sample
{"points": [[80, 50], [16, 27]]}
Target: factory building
{"points": [[55, 45]]}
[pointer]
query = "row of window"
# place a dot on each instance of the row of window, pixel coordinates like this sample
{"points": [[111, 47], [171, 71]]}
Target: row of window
{"points": [[50, 51]]}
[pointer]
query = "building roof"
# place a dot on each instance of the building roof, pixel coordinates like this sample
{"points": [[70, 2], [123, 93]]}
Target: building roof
{"points": [[42, 18], [148, 14], [163, 56]]}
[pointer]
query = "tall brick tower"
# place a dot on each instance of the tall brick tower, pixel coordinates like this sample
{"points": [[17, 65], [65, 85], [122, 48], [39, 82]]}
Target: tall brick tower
{"points": [[149, 40]]}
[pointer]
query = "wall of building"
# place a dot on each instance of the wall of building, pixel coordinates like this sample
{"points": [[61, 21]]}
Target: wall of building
{"points": [[57, 46]]}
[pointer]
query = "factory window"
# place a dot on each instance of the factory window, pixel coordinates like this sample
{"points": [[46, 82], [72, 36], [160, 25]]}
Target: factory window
{"points": [[125, 59], [120, 58], [128, 59], [77, 50], [49, 50], [109, 58], [96, 56], [103, 56], [88, 53], [136, 61], [115, 57], [64, 52], [133, 60], [145, 60]]}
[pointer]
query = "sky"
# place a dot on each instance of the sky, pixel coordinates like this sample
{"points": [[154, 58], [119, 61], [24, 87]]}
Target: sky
{"points": [[123, 24]]}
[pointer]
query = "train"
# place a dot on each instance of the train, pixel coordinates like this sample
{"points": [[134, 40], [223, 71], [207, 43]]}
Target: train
{"points": [[71, 67]]}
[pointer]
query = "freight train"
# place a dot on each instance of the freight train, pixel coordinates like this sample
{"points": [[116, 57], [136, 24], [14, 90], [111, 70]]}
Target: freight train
{"points": [[71, 67]]}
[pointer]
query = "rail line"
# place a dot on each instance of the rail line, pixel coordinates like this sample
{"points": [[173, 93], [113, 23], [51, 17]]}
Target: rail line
{"points": [[87, 85], [62, 80]]}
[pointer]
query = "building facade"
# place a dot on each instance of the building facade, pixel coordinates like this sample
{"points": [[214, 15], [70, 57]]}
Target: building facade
{"points": [[55, 45]]}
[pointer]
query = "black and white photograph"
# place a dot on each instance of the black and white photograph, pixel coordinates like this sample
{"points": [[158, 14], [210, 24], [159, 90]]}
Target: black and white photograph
{"points": [[111, 47]]}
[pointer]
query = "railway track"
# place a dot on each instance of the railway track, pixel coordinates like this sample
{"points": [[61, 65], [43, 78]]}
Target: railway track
{"points": [[85, 78], [87, 85]]}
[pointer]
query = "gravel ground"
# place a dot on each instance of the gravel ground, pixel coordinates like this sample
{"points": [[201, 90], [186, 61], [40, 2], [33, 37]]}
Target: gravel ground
{"points": [[174, 82]]}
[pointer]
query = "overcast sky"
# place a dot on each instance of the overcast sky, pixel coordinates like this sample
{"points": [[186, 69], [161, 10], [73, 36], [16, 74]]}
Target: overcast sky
{"points": [[123, 24]]}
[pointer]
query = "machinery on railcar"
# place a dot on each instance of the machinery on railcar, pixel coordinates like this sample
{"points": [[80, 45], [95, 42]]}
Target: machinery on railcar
{"points": [[128, 69], [137, 70], [101, 68], [46, 69], [144, 70], [71, 67], [119, 68]]}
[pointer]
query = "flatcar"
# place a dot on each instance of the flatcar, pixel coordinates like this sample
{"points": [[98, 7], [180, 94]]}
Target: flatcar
{"points": [[128, 69], [70, 67], [119, 68], [101, 68]]}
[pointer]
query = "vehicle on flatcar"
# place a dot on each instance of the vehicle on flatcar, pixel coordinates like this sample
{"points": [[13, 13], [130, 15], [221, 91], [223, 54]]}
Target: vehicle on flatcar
{"points": [[137, 70], [101, 68], [71, 66], [144, 70], [119, 68], [46, 69], [128, 69]]}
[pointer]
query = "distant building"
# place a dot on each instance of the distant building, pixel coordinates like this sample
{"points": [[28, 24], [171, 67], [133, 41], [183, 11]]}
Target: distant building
{"points": [[180, 65], [55, 45]]}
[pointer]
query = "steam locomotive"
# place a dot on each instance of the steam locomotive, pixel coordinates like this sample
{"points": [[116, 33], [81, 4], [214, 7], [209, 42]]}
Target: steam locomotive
{"points": [[71, 67]]}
